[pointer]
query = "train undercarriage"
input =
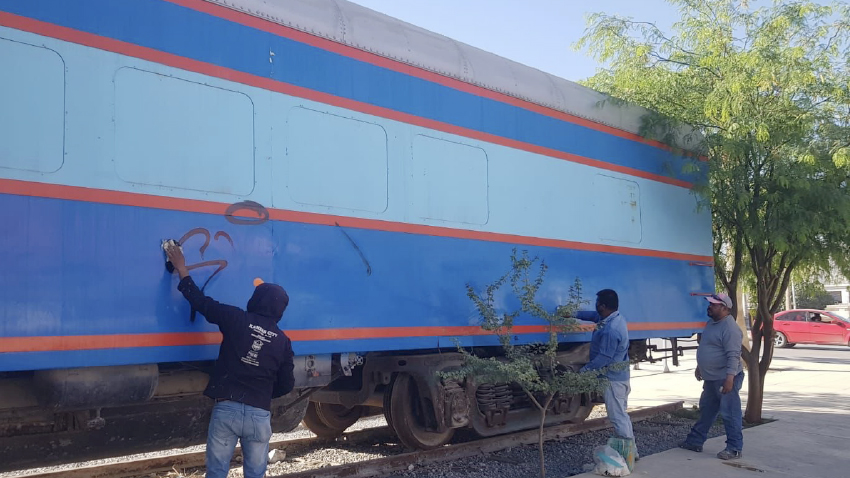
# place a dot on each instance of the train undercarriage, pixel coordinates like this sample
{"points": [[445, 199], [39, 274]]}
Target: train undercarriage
{"points": [[425, 411], [72, 415]]}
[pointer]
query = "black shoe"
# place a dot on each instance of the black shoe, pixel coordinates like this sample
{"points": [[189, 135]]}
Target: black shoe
{"points": [[728, 454], [688, 446]]}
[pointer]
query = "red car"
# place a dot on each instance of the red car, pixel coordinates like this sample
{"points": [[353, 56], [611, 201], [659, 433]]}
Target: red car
{"points": [[809, 326]]}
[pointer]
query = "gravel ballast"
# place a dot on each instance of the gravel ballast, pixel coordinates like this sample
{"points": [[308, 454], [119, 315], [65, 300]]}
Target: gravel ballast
{"points": [[563, 458], [570, 456]]}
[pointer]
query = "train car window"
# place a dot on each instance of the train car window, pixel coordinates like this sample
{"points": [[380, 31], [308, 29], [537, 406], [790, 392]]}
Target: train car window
{"points": [[449, 181], [175, 133], [32, 107], [616, 206], [335, 161]]}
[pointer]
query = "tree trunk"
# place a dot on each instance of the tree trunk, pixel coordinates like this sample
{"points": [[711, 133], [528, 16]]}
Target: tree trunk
{"points": [[755, 391], [540, 446], [543, 411], [758, 363]]}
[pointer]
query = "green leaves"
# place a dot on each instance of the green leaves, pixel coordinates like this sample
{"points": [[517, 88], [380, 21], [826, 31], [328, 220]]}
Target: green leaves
{"points": [[767, 91], [534, 367]]}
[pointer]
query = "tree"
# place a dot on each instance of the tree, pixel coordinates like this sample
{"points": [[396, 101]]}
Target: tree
{"points": [[766, 94], [811, 294], [534, 367]]}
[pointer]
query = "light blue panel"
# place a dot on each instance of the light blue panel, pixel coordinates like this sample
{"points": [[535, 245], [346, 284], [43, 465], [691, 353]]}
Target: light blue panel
{"points": [[674, 220], [190, 33], [32, 107], [335, 161], [177, 133], [449, 181], [616, 202], [539, 196], [553, 198]]}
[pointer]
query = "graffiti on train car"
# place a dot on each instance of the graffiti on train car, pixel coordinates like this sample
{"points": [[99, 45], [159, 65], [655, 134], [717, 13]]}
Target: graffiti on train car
{"points": [[219, 264], [262, 213], [229, 214], [356, 248]]}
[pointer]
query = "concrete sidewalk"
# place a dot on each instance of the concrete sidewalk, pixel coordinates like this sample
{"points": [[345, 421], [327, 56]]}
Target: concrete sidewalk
{"points": [[809, 397]]}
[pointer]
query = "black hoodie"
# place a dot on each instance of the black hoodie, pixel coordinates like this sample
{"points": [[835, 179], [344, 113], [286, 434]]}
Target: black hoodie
{"points": [[255, 359]]}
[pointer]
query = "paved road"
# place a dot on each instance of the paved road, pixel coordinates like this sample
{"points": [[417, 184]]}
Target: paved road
{"points": [[783, 389], [800, 355], [806, 390]]}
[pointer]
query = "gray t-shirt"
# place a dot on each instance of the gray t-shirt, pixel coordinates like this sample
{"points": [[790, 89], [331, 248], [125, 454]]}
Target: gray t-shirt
{"points": [[719, 352]]}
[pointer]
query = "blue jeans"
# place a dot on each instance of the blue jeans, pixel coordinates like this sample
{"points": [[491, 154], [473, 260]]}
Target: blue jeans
{"points": [[616, 400], [232, 421], [728, 405]]}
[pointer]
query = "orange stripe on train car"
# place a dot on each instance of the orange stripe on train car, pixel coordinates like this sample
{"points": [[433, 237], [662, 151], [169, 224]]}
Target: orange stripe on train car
{"points": [[177, 339], [104, 196]]}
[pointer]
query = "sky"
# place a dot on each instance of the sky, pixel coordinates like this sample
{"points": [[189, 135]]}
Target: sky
{"points": [[537, 33]]}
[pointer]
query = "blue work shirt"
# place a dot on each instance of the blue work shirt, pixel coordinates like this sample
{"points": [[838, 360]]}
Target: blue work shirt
{"points": [[609, 345]]}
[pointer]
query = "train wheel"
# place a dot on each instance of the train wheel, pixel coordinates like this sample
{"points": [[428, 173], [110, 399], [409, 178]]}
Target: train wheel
{"points": [[404, 415], [388, 393], [329, 420]]}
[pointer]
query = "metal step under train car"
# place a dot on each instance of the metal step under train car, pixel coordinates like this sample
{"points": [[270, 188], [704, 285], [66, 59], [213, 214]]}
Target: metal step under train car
{"points": [[370, 167]]}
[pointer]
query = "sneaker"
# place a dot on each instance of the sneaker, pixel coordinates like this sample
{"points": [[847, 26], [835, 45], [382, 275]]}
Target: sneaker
{"points": [[728, 454], [688, 446]]}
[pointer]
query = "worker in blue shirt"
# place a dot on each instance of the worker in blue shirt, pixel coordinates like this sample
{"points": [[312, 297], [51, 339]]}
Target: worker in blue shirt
{"points": [[610, 347]]}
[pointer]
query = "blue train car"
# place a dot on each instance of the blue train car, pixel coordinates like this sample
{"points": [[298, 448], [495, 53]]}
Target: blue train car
{"points": [[370, 167]]}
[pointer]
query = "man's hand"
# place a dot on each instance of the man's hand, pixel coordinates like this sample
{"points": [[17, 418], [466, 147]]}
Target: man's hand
{"points": [[728, 384], [698, 374], [175, 256]]}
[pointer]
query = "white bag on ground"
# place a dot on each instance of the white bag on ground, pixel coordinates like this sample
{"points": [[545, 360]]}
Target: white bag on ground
{"points": [[609, 462]]}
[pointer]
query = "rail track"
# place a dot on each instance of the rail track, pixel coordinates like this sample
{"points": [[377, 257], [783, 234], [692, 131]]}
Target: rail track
{"points": [[366, 468]]}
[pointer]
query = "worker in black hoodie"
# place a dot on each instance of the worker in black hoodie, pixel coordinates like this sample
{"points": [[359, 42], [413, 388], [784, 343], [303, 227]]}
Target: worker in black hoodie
{"points": [[255, 364]]}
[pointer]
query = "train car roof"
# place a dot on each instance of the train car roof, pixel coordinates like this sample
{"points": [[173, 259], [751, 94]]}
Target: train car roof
{"points": [[365, 29]]}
